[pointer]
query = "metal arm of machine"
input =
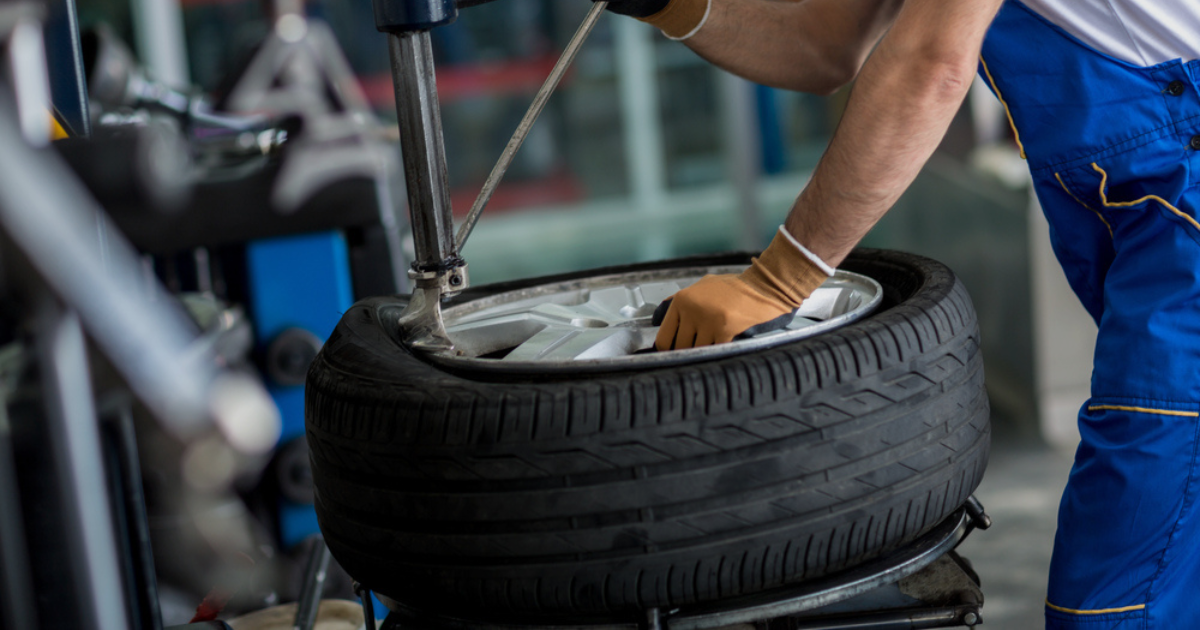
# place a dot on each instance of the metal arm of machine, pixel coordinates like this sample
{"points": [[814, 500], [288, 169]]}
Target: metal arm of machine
{"points": [[439, 270]]}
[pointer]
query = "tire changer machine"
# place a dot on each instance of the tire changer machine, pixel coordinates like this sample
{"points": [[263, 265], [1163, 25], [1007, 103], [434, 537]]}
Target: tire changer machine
{"points": [[924, 585]]}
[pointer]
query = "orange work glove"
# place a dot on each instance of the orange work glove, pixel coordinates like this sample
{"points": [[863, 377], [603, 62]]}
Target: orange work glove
{"points": [[718, 309]]}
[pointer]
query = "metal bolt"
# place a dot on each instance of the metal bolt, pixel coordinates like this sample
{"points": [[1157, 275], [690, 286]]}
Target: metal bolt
{"points": [[456, 280], [970, 619]]}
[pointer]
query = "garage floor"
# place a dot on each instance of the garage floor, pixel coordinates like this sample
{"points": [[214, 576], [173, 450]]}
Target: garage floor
{"points": [[1020, 492]]}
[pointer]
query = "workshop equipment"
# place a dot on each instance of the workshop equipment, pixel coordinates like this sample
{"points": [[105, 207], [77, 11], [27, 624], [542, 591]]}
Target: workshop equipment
{"points": [[275, 195], [73, 529], [439, 270]]}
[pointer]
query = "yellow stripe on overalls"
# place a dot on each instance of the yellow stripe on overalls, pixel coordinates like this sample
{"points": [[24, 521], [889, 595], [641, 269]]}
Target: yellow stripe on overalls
{"points": [[1159, 412], [1098, 611], [1127, 204], [1080, 202], [1007, 112]]}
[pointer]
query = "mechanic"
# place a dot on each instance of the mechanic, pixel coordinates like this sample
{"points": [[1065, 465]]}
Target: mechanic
{"points": [[1104, 99]]}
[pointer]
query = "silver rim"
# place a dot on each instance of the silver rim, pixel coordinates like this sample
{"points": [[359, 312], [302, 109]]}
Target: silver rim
{"points": [[603, 323]]}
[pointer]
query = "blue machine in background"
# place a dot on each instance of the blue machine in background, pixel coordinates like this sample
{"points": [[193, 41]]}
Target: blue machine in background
{"points": [[299, 288]]}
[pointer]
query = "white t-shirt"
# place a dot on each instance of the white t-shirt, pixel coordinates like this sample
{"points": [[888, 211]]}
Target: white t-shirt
{"points": [[1142, 32]]}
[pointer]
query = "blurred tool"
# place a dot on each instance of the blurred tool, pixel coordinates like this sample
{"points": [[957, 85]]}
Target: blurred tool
{"points": [[289, 169], [50, 221], [62, 281], [286, 192]]}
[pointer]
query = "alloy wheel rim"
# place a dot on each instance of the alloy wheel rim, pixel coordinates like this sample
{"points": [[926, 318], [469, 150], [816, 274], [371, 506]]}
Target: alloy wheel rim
{"points": [[603, 323]]}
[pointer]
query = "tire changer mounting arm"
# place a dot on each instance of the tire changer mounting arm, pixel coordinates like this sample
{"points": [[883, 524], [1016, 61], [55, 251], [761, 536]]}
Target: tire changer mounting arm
{"points": [[439, 270]]}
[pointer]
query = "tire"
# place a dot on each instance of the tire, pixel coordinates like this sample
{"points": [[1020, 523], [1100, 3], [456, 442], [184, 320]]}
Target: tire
{"points": [[599, 495]]}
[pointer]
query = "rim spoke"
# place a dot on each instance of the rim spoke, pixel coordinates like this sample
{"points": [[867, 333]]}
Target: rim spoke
{"points": [[577, 316], [825, 303], [568, 344], [493, 334]]}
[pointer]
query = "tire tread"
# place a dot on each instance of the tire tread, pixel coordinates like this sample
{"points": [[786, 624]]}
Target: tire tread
{"points": [[891, 412]]}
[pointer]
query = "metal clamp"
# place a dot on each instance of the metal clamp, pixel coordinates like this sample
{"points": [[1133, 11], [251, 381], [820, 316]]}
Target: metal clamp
{"points": [[422, 323]]}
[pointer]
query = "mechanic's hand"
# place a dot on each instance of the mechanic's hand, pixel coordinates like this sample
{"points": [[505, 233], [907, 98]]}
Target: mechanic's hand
{"points": [[677, 19], [718, 309]]}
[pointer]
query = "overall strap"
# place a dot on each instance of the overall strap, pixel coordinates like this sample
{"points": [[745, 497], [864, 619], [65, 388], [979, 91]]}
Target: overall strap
{"points": [[1067, 101]]}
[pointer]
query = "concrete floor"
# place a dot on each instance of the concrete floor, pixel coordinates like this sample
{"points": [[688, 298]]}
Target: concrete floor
{"points": [[1020, 491]]}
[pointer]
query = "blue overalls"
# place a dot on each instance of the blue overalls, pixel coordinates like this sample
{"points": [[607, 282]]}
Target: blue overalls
{"points": [[1114, 150]]}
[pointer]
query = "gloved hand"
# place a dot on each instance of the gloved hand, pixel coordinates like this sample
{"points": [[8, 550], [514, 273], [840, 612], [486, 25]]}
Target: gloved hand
{"points": [[677, 19], [718, 309]]}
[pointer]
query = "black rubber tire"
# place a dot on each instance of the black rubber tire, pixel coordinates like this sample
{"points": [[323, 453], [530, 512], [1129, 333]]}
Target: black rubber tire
{"points": [[601, 494]]}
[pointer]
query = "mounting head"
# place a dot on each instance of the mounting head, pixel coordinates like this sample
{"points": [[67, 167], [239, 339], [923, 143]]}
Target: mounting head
{"points": [[404, 16]]}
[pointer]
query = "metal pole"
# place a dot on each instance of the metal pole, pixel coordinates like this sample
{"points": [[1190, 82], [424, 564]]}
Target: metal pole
{"points": [[162, 42], [29, 75], [76, 454], [313, 587], [130, 500], [424, 151], [437, 270], [17, 608]]}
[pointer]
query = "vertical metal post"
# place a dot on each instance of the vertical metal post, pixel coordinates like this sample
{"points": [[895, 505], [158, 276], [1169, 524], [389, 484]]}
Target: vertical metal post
{"points": [[438, 270], [368, 605], [162, 43], [75, 451], [125, 472], [313, 586], [30, 77], [17, 609], [421, 141]]}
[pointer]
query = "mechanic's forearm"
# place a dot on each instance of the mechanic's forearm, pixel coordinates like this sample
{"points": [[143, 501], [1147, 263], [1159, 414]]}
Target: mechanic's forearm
{"points": [[808, 45], [901, 106]]}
